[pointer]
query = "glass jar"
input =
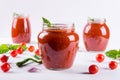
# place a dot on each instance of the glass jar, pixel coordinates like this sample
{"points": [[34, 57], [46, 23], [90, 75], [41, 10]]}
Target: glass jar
{"points": [[21, 30], [96, 35], [58, 45]]}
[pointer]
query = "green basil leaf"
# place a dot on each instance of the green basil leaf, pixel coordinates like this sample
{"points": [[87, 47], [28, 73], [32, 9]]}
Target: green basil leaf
{"points": [[112, 54], [46, 21], [90, 19]]}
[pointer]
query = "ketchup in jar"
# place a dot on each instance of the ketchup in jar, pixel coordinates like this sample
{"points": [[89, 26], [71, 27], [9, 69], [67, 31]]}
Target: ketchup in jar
{"points": [[96, 35], [58, 45], [21, 30]]}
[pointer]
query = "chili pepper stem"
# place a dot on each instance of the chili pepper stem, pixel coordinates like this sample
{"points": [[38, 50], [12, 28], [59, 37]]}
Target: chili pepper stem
{"points": [[21, 63]]}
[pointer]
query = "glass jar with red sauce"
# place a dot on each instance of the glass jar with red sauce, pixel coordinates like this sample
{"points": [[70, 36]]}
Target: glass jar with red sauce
{"points": [[21, 29], [96, 35], [58, 45]]}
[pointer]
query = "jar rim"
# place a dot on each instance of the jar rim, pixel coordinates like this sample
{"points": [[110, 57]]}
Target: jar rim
{"points": [[96, 20], [20, 15], [59, 26]]}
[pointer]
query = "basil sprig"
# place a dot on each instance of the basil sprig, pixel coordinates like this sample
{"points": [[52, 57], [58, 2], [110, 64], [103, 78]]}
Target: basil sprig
{"points": [[115, 54], [46, 21], [90, 19], [4, 48]]}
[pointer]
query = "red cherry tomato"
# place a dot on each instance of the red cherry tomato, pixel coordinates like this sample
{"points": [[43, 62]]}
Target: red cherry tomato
{"points": [[100, 58], [20, 50], [113, 65], [5, 67], [31, 48], [4, 58], [23, 44], [13, 53], [37, 52], [93, 69]]}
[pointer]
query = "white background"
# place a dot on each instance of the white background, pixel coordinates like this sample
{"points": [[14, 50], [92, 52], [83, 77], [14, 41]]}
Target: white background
{"points": [[76, 11]]}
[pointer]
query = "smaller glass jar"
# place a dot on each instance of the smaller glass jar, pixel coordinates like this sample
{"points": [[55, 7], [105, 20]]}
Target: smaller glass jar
{"points": [[21, 29], [58, 45], [96, 35]]}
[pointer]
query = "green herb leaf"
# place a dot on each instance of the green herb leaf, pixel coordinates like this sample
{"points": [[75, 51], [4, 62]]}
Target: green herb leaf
{"points": [[15, 14], [91, 19], [14, 47], [113, 54], [4, 48], [46, 21]]}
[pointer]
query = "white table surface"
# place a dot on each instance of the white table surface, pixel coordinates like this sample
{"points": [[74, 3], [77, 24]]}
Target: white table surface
{"points": [[79, 70]]}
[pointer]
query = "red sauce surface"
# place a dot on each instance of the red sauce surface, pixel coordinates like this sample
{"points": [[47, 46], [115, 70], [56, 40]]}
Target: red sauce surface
{"points": [[21, 31], [58, 48], [96, 36]]}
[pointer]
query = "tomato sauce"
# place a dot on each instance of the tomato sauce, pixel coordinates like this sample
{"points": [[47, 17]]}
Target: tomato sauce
{"points": [[21, 30], [58, 47], [96, 35]]}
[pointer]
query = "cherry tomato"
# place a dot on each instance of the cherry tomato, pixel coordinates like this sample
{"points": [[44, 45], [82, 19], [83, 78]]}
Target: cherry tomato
{"points": [[113, 65], [100, 58], [13, 53], [31, 48], [93, 69], [20, 50], [5, 67], [23, 44], [37, 52], [4, 58]]}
